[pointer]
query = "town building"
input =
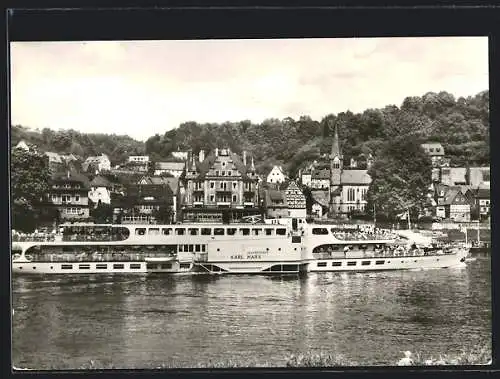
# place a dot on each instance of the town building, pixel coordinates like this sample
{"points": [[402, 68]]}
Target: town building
{"points": [[144, 199], [472, 176], [172, 182], [55, 161], [97, 164], [295, 200], [452, 204], [276, 175], [336, 190], [182, 155], [348, 188], [22, 145], [172, 168], [275, 204], [68, 193], [435, 151], [219, 187], [479, 199]]}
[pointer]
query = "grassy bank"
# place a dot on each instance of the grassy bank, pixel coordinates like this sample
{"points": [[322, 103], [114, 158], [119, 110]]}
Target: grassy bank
{"points": [[478, 355]]}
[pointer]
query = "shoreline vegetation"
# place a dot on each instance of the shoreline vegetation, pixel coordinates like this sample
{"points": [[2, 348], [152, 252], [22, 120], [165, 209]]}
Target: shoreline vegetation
{"points": [[476, 355]]}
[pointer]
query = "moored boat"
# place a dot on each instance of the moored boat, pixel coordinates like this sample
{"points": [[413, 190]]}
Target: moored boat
{"points": [[273, 246]]}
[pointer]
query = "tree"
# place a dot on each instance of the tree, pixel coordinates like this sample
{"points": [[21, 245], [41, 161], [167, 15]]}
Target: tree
{"points": [[163, 214], [102, 214], [401, 176], [29, 181]]}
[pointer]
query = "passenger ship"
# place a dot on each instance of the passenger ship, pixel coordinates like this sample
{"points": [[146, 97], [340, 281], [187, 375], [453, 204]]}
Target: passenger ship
{"points": [[275, 246]]}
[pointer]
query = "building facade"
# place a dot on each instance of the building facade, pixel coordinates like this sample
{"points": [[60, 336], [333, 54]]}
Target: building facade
{"points": [[69, 195], [173, 168], [97, 163], [276, 175], [219, 187], [296, 201]]}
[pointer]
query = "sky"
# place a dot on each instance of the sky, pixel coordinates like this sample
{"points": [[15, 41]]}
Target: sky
{"points": [[141, 88]]}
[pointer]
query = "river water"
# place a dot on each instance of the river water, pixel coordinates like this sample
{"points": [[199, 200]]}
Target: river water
{"points": [[146, 322]]}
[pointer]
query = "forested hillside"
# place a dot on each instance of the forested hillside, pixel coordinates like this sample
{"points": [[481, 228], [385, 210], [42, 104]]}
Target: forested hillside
{"points": [[117, 147], [461, 125]]}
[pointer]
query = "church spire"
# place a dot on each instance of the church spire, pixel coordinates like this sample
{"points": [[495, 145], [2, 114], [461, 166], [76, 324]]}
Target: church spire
{"points": [[336, 145]]}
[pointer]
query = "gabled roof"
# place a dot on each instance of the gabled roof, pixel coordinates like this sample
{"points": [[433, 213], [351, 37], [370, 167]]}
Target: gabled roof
{"points": [[173, 183], [275, 198], [203, 167], [450, 195], [355, 177], [100, 181], [321, 174], [71, 176], [292, 186]]}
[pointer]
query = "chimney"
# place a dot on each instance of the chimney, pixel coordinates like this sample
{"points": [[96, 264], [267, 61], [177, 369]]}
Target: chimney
{"points": [[244, 158], [202, 155], [216, 151]]}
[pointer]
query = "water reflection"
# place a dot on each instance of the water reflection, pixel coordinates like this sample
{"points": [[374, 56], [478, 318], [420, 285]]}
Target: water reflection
{"points": [[137, 321]]}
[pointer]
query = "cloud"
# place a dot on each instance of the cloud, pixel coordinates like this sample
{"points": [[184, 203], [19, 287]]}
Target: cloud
{"points": [[146, 87]]}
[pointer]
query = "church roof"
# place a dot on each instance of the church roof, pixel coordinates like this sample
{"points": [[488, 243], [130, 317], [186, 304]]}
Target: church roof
{"points": [[336, 145], [355, 177]]}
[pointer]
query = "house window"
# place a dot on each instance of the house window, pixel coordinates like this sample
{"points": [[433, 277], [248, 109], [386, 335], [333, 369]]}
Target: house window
{"points": [[66, 198], [229, 173], [234, 185], [212, 197], [212, 184], [54, 197], [234, 198], [77, 198]]}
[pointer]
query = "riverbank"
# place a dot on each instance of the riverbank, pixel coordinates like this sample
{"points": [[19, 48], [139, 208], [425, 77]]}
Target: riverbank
{"points": [[478, 355]]}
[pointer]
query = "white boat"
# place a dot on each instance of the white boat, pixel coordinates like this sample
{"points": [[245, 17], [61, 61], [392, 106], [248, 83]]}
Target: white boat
{"points": [[276, 246]]}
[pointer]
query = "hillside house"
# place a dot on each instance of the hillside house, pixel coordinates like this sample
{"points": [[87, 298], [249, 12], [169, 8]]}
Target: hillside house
{"points": [[173, 168], [276, 175]]}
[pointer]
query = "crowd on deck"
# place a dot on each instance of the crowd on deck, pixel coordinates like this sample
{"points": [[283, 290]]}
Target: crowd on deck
{"points": [[367, 234], [39, 236]]}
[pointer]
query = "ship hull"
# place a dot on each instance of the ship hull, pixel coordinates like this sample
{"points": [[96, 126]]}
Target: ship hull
{"points": [[386, 264], [45, 268]]}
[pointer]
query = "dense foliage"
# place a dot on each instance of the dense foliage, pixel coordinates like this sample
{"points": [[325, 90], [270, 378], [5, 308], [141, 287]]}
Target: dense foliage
{"points": [[401, 177], [29, 183], [461, 125]]}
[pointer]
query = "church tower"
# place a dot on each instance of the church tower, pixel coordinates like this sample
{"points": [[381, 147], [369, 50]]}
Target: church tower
{"points": [[336, 167]]}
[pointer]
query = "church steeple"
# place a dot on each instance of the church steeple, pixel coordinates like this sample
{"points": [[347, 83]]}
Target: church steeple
{"points": [[335, 145]]}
